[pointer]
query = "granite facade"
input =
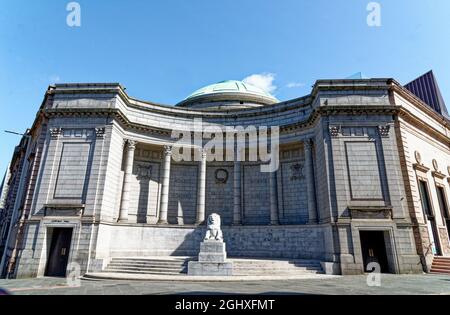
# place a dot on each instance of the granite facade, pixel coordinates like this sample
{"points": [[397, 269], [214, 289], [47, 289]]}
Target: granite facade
{"points": [[362, 173]]}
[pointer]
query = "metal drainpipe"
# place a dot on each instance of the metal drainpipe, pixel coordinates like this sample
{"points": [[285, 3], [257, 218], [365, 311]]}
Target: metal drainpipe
{"points": [[17, 202]]}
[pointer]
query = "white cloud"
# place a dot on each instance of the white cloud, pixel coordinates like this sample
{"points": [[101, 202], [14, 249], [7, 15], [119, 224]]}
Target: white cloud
{"points": [[295, 85], [264, 81], [54, 78]]}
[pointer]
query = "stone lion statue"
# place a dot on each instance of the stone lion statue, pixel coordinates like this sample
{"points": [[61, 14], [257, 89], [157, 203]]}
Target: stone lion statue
{"points": [[214, 231]]}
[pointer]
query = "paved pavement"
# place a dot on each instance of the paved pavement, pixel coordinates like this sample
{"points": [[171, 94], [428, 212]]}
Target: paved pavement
{"points": [[390, 284]]}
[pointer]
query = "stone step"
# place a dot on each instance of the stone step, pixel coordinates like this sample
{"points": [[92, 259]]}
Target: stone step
{"points": [[275, 262], [118, 266], [443, 262], [160, 263], [142, 260], [146, 263], [280, 273], [147, 268], [153, 272], [245, 265], [150, 265], [438, 263], [265, 260], [441, 270], [444, 271], [275, 265], [269, 269], [289, 262], [447, 261], [241, 266], [440, 267]]}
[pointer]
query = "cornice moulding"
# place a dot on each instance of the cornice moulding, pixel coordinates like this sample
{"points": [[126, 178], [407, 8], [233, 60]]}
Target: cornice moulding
{"points": [[421, 168], [438, 175]]}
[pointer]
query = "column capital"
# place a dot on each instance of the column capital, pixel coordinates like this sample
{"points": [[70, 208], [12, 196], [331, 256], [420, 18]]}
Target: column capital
{"points": [[100, 132], [204, 153], [131, 145], [309, 143], [384, 130], [334, 130], [55, 132], [168, 150]]}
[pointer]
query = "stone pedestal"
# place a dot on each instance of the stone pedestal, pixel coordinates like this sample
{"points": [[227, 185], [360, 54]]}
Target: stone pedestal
{"points": [[212, 260]]}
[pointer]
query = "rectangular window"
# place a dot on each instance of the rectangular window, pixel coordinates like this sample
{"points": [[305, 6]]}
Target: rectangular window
{"points": [[5, 231], [425, 197], [443, 202]]}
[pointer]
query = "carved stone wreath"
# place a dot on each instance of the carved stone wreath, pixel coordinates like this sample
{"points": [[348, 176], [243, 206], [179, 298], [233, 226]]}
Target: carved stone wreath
{"points": [[221, 176]]}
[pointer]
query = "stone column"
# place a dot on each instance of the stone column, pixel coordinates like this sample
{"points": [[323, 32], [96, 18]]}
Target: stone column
{"points": [[310, 182], [273, 198], [130, 147], [237, 220], [165, 179], [201, 192]]}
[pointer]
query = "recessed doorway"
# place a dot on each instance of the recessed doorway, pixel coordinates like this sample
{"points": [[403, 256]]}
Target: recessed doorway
{"points": [[373, 248], [58, 256]]}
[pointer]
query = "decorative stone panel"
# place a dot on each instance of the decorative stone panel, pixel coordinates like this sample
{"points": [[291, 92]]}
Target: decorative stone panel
{"points": [[256, 196], [72, 173], [363, 170], [183, 194], [294, 196], [219, 192], [372, 213]]}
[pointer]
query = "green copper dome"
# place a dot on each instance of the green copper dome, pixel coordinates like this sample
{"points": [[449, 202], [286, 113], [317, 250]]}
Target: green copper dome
{"points": [[230, 90]]}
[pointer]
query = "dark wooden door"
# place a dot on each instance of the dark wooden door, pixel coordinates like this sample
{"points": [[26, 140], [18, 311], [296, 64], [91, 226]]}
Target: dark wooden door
{"points": [[448, 228], [59, 252], [374, 249], [435, 232]]}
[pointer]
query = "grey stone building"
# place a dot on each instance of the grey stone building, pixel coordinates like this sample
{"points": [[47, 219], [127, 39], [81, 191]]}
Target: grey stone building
{"points": [[101, 181]]}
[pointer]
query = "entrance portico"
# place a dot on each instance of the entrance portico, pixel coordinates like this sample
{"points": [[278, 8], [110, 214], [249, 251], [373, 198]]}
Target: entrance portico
{"points": [[155, 164]]}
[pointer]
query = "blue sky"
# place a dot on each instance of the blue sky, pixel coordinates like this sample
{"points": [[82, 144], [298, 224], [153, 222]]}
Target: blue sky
{"points": [[164, 50]]}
